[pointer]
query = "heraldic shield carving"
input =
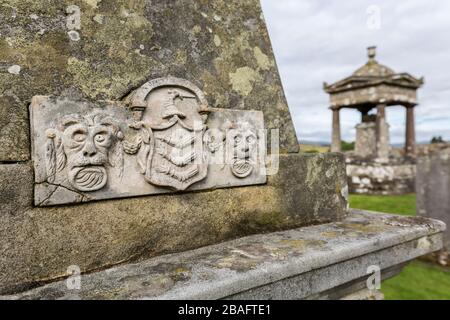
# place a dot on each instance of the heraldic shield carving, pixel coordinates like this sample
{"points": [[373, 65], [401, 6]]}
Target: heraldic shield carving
{"points": [[170, 115], [161, 138]]}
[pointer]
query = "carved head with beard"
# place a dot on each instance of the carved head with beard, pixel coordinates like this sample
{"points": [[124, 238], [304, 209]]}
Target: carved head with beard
{"points": [[85, 145]]}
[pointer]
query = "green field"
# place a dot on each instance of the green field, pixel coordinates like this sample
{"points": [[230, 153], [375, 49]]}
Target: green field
{"points": [[418, 280]]}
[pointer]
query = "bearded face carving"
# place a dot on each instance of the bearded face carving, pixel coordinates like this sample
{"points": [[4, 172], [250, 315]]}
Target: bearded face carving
{"points": [[85, 145], [243, 145]]}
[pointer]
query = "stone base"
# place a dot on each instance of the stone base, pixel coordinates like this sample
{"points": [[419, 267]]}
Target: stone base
{"points": [[381, 178], [328, 261], [39, 243]]}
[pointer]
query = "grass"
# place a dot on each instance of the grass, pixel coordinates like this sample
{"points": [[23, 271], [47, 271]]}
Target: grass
{"points": [[404, 204], [418, 280]]}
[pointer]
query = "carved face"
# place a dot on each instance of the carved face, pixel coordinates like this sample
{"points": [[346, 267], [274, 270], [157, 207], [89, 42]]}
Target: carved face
{"points": [[243, 143], [87, 142]]}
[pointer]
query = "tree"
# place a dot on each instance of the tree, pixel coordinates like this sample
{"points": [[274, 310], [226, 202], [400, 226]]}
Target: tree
{"points": [[347, 146], [437, 139]]}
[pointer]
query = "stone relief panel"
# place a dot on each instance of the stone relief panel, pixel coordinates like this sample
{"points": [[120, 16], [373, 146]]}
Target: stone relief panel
{"points": [[162, 138]]}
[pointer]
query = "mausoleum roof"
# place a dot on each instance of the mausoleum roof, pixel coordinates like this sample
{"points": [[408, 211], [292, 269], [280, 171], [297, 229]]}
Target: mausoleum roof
{"points": [[373, 73], [373, 69]]}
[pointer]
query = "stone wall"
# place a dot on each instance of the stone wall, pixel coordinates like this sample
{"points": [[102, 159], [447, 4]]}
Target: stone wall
{"points": [[383, 179], [115, 47]]}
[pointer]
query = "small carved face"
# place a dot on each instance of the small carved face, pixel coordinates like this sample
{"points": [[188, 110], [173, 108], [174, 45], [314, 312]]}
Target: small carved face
{"points": [[244, 142], [87, 145], [87, 142]]}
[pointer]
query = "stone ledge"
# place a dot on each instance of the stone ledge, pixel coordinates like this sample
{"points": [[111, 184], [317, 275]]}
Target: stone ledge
{"points": [[329, 254]]}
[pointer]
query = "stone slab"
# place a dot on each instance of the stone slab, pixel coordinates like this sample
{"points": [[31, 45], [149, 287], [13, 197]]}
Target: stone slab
{"points": [[85, 151], [297, 263], [433, 186], [39, 243]]}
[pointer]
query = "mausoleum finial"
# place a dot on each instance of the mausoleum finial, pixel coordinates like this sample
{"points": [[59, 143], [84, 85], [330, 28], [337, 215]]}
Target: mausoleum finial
{"points": [[371, 52]]}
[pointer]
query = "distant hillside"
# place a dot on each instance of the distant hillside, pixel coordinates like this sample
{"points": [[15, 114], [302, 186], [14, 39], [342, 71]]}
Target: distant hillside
{"points": [[327, 144], [314, 143], [313, 148]]}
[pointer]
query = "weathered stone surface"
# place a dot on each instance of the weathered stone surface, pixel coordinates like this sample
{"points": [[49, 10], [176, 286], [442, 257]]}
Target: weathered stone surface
{"points": [[166, 139], [14, 139], [294, 264], [16, 188], [380, 178], [433, 187], [118, 45], [308, 189]]}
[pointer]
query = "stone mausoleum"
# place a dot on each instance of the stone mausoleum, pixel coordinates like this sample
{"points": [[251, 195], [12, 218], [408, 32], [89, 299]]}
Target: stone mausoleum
{"points": [[373, 167], [136, 163]]}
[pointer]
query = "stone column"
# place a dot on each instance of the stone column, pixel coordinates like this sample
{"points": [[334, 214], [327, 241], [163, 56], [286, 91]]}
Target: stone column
{"points": [[382, 134], [410, 141], [336, 134]]}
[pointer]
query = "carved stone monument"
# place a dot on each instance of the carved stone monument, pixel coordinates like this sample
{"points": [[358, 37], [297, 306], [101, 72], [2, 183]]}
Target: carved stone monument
{"points": [[136, 136], [372, 168]]}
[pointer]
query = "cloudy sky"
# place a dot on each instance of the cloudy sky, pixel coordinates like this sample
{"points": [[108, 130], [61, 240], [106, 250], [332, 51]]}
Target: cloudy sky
{"points": [[322, 40]]}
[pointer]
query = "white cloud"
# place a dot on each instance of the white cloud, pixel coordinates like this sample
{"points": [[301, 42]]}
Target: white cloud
{"points": [[320, 40]]}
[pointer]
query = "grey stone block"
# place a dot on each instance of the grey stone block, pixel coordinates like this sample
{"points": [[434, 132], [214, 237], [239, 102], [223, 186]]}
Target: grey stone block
{"points": [[433, 187]]}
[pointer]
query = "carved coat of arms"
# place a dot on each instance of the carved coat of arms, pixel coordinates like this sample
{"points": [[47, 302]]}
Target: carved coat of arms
{"points": [[170, 115], [161, 137]]}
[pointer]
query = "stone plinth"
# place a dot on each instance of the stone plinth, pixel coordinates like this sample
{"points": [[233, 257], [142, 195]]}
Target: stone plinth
{"points": [[433, 186], [365, 146], [329, 261], [39, 243]]}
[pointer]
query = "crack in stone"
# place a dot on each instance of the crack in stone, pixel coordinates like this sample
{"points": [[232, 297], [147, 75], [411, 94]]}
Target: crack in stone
{"points": [[83, 196]]}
